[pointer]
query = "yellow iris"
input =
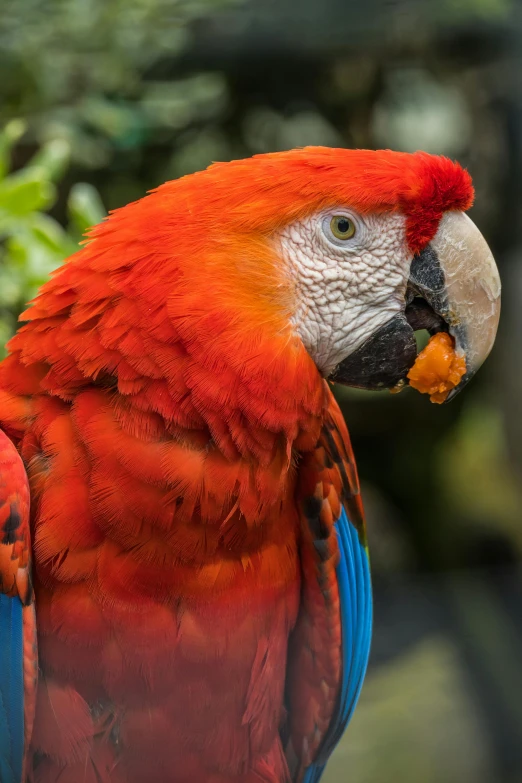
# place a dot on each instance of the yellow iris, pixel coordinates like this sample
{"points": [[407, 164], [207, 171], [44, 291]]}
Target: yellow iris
{"points": [[342, 227]]}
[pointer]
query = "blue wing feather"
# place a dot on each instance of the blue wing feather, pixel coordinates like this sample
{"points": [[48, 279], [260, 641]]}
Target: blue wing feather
{"points": [[11, 689], [355, 592]]}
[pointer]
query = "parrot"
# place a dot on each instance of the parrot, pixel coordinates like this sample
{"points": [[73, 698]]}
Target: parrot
{"points": [[185, 589]]}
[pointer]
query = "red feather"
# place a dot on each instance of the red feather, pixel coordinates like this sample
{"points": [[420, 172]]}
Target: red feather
{"points": [[161, 402]]}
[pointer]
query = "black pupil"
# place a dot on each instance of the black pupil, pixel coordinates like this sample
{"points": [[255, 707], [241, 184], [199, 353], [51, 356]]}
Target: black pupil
{"points": [[343, 225]]}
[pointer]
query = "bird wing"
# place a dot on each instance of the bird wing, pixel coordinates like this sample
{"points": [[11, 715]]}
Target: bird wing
{"points": [[330, 645], [18, 662]]}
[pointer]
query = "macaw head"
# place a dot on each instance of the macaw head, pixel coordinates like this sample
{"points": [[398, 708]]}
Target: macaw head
{"points": [[360, 248], [314, 259], [384, 249]]}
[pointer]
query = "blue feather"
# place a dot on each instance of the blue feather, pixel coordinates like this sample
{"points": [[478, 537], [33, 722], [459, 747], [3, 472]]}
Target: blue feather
{"points": [[355, 592], [11, 689]]}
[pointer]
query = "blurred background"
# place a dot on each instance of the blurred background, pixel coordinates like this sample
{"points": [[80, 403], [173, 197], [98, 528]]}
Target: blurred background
{"points": [[101, 100]]}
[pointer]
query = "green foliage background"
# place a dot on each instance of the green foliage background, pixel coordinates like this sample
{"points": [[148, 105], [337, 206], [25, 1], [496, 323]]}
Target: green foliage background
{"points": [[33, 242]]}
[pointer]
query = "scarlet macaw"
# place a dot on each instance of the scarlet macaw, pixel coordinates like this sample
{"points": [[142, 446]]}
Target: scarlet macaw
{"points": [[201, 576]]}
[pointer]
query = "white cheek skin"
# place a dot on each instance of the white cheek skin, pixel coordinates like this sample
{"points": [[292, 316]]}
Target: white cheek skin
{"points": [[344, 294]]}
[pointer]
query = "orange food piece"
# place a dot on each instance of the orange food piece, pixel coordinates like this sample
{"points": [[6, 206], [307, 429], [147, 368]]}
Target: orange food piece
{"points": [[437, 369]]}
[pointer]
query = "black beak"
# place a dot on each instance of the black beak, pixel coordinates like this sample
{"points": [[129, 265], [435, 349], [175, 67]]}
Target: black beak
{"points": [[383, 361], [454, 287]]}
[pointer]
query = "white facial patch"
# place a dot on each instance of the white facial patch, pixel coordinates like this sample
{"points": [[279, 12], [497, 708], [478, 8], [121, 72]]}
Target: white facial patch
{"points": [[346, 288]]}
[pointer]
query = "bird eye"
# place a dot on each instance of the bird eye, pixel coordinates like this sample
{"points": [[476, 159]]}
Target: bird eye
{"points": [[342, 227], [344, 230]]}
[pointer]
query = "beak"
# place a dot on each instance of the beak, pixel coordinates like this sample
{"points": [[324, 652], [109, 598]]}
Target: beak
{"points": [[454, 286]]}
